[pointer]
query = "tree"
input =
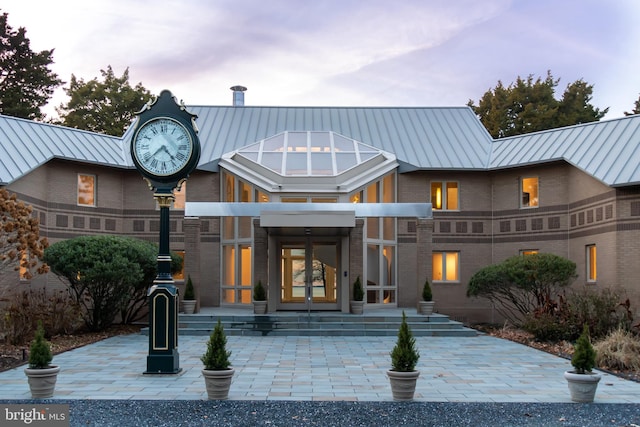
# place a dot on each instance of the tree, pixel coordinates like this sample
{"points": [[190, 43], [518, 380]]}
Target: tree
{"points": [[26, 82], [20, 243], [636, 108], [529, 106], [107, 275], [106, 106], [522, 285]]}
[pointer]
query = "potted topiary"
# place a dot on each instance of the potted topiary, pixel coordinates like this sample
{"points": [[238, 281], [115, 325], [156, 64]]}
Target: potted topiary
{"points": [[357, 303], [582, 381], [189, 298], [42, 376], [217, 371], [426, 305], [404, 357], [259, 299]]}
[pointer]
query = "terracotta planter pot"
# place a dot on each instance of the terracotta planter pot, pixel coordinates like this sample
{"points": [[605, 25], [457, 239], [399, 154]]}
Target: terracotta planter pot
{"points": [[582, 387], [218, 383], [403, 384], [42, 381]]}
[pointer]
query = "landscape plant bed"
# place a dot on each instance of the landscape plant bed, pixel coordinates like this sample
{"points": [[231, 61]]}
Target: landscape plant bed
{"points": [[562, 349], [12, 356]]}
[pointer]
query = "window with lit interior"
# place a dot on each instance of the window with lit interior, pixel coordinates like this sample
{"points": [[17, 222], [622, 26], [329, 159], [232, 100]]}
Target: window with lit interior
{"points": [[592, 264], [529, 192], [444, 195], [86, 190], [445, 266]]}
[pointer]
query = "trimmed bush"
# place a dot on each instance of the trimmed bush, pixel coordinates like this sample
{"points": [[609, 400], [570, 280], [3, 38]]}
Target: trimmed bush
{"points": [[216, 358], [358, 291], [584, 356], [404, 355], [259, 293], [189, 293], [40, 352], [426, 291]]}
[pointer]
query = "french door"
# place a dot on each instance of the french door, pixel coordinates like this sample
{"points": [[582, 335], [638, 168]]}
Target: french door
{"points": [[308, 275]]}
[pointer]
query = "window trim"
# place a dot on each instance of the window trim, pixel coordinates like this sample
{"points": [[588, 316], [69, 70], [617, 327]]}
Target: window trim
{"points": [[444, 267], [591, 263], [444, 199], [95, 192], [522, 193]]}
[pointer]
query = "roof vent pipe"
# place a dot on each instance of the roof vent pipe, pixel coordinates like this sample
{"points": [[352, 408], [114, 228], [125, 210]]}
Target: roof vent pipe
{"points": [[238, 95]]}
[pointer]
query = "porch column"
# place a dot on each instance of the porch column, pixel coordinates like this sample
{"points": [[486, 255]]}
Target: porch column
{"points": [[191, 229], [424, 246], [261, 261], [356, 259]]}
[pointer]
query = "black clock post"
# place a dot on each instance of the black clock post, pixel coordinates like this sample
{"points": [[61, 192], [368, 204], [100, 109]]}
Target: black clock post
{"points": [[165, 149]]}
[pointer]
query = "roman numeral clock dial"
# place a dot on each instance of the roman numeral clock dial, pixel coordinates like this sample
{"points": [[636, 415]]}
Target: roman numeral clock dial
{"points": [[162, 147]]}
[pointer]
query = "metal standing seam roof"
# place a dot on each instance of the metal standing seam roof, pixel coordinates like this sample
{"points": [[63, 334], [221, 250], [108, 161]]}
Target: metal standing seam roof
{"points": [[25, 145], [430, 138], [607, 150]]}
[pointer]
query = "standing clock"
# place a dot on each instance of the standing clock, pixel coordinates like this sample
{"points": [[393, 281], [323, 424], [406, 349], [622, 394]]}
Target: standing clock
{"points": [[165, 149]]}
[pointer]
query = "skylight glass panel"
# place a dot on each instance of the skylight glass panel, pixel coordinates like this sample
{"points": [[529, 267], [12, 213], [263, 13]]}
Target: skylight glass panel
{"points": [[297, 141], [275, 143], [296, 164], [342, 144], [272, 161], [345, 161], [321, 164], [320, 142]]}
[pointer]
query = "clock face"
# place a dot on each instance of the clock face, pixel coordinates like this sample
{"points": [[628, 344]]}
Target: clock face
{"points": [[162, 146]]}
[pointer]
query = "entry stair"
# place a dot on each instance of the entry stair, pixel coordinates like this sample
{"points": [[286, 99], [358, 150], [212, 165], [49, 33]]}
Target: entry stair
{"points": [[383, 323]]}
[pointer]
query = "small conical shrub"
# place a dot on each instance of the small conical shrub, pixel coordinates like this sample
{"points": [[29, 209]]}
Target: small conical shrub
{"points": [[426, 291], [216, 357], [259, 293], [584, 355], [358, 292], [40, 352], [404, 355], [189, 293]]}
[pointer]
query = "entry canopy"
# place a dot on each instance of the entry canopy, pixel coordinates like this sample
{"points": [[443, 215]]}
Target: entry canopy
{"points": [[358, 210], [311, 161]]}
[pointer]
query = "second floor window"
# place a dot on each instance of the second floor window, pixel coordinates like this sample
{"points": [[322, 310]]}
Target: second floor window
{"points": [[86, 190], [529, 192], [444, 195]]}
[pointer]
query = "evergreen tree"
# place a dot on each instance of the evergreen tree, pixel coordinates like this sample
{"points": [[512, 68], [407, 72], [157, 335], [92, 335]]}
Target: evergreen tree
{"points": [[26, 82], [636, 108], [529, 106]]}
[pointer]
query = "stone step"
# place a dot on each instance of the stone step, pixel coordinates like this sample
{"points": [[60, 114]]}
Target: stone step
{"points": [[319, 324]]}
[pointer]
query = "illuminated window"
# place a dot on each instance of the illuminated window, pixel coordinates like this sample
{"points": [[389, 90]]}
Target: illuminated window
{"points": [[25, 274], [529, 190], [86, 190], [445, 266], [592, 264], [528, 252], [180, 197], [444, 196], [179, 275]]}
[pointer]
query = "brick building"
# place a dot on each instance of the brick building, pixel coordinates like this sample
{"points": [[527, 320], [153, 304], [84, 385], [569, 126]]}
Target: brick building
{"points": [[306, 199]]}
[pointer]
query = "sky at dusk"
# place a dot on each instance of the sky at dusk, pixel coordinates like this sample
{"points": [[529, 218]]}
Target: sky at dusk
{"points": [[341, 52]]}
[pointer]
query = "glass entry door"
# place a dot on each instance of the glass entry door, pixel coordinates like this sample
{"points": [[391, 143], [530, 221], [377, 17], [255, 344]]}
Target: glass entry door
{"points": [[308, 276]]}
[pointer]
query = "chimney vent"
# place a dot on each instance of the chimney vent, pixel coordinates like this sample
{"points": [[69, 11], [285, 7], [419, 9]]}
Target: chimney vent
{"points": [[238, 95]]}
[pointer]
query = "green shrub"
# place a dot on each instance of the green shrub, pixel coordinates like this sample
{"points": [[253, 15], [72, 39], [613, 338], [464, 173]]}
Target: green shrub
{"points": [[189, 293], [584, 355], [404, 355], [600, 309], [216, 358], [546, 327], [620, 350], [426, 291], [358, 291], [259, 293], [40, 352]]}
